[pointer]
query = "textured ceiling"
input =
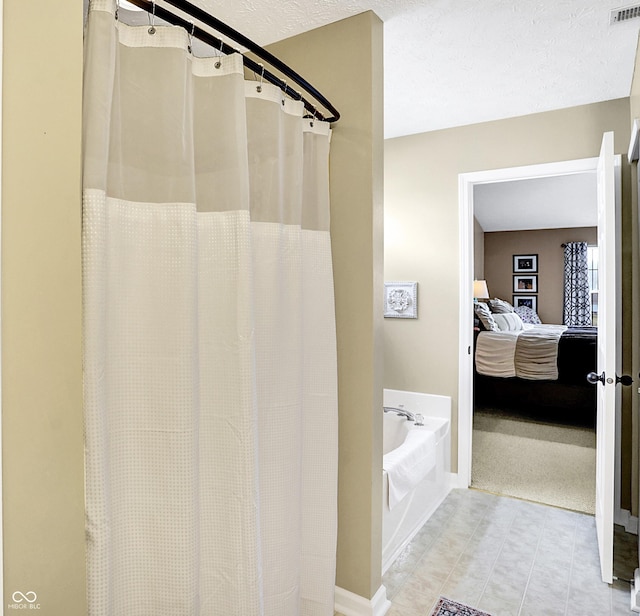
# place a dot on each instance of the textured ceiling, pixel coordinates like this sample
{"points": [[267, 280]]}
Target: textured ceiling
{"points": [[455, 62]]}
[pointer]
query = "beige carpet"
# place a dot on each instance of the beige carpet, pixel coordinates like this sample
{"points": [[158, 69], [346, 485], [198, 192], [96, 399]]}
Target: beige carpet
{"points": [[551, 464]]}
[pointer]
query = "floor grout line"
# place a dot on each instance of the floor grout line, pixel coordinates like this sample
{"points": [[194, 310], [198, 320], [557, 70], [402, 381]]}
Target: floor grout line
{"points": [[533, 562], [497, 557], [573, 554], [464, 551]]}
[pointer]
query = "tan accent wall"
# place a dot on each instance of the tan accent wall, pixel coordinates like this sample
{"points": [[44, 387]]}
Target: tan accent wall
{"points": [[421, 193], [344, 61], [500, 247], [43, 497]]}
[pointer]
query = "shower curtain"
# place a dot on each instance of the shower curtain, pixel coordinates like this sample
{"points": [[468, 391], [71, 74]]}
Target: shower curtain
{"points": [[577, 299], [209, 333]]}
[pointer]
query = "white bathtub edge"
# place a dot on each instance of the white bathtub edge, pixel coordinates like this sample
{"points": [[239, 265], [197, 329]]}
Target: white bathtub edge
{"points": [[350, 604]]}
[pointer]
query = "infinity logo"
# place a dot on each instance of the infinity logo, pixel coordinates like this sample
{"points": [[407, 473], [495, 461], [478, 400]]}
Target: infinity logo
{"points": [[19, 597]]}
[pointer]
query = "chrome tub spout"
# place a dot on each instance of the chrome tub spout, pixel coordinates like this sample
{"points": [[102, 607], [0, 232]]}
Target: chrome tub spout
{"points": [[398, 411]]}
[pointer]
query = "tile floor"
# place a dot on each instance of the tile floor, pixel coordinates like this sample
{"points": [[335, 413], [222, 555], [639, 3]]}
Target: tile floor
{"points": [[510, 558]]}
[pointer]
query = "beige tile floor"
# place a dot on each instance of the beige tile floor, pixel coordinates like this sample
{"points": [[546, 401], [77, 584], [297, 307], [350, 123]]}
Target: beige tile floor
{"points": [[509, 557]]}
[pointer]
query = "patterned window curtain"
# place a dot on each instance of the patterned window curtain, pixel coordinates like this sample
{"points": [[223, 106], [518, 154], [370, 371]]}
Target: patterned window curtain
{"points": [[577, 300]]}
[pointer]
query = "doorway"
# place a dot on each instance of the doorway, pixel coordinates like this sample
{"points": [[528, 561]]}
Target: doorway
{"points": [[468, 188], [535, 440]]}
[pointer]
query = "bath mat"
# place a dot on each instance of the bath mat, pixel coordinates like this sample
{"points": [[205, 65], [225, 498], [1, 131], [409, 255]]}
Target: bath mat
{"points": [[447, 607]]}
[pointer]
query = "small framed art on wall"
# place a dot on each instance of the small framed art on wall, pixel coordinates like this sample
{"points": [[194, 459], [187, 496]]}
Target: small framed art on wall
{"points": [[401, 300], [525, 263], [525, 284], [530, 301]]}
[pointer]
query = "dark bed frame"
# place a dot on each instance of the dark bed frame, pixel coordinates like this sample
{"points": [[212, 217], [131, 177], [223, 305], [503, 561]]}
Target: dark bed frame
{"points": [[570, 397]]}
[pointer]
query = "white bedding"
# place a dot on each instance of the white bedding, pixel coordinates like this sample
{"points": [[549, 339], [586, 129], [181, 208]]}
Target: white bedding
{"points": [[495, 353], [530, 353]]}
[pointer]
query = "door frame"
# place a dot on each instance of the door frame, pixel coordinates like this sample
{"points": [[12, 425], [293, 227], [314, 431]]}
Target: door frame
{"points": [[466, 184], [633, 156], [1, 167]]}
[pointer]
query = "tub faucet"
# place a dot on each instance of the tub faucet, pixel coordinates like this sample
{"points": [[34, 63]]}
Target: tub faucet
{"points": [[398, 411]]}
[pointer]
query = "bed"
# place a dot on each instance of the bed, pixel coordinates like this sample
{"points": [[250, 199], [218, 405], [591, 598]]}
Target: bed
{"points": [[535, 367]]}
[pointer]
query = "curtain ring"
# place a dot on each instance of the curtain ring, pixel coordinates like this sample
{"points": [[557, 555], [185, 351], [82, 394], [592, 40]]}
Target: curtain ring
{"points": [[218, 64], [117, 3], [259, 86], [190, 35], [152, 18]]}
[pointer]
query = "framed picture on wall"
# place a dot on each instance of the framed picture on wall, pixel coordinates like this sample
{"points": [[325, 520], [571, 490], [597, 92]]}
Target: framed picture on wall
{"points": [[401, 300], [525, 263], [529, 301], [525, 284]]}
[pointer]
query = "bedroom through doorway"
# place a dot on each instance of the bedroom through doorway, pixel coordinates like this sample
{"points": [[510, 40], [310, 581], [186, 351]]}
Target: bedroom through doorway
{"points": [[533, 439]]}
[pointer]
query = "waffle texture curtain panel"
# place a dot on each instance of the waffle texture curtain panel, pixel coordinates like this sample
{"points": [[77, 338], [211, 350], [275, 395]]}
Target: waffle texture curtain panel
{"points": [[209, 333]]}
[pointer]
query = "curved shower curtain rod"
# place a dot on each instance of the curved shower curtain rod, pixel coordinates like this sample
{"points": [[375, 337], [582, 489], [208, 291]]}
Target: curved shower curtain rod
{"points": [[205, 18]]}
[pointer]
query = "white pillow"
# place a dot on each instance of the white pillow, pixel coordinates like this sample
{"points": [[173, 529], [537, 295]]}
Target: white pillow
{"points": [[499, 306], [508, 322], [483, 313]]}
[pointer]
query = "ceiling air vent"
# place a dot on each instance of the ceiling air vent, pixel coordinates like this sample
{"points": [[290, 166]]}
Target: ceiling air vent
{"points": [[624, 14]]}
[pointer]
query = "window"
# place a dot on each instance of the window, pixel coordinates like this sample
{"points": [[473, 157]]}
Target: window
{"points": [[592, 260]]}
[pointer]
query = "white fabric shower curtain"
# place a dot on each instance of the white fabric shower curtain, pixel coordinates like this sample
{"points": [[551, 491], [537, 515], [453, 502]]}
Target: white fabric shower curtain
{"points": [[210, 360]]}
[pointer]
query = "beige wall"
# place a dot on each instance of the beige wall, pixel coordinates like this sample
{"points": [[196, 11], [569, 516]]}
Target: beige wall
{"points": [[421, 195], [547, 244], [42, 441], [344, 61]]}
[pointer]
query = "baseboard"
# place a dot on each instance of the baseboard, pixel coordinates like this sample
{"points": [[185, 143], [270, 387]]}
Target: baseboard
{"points": [[455, 481], [350, 604], [624, 518]]}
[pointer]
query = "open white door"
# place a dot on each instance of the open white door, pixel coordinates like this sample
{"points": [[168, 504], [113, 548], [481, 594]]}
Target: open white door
{"points": [[608, 307]]}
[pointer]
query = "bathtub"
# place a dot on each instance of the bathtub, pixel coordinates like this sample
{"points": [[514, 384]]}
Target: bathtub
{"points": [[406, 517]]}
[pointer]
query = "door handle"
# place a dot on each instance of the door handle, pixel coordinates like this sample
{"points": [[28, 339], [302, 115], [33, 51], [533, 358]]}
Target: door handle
{"points": [[593, 378]]}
